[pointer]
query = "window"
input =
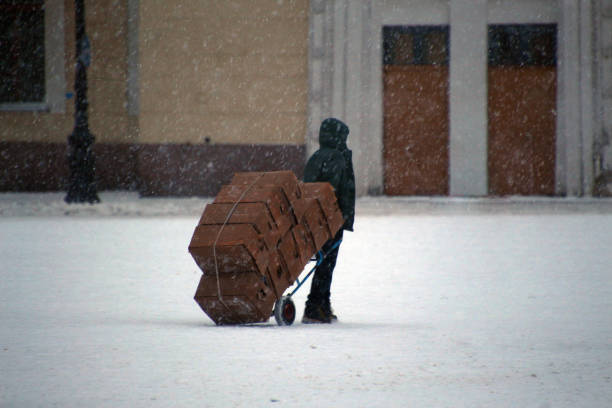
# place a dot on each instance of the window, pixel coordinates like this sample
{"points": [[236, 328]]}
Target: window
{"points": [[522, 45], [22, 51], [32, 55], [415, 45]]}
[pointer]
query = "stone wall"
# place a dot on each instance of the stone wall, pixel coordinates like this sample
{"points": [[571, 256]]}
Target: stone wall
{"points": [[223, 71]]}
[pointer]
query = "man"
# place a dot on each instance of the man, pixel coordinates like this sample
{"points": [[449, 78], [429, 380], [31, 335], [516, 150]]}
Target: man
{"points": [[332, 163]]}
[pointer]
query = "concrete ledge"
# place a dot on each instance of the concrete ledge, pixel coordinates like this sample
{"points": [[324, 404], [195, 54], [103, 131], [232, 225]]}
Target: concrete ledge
{"points": [[130, 204], [482, 206]]}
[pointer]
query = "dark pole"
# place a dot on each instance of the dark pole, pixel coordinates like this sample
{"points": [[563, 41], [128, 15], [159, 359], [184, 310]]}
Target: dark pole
{"points": [[81, 160]]}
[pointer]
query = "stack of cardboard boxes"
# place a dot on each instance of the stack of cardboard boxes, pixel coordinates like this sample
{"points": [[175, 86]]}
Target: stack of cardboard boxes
{"points": [[255, 239]]}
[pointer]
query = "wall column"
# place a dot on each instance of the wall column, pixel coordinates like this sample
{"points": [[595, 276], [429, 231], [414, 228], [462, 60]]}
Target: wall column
{"points": [[468, 98], [342, 81], [567, 100]]}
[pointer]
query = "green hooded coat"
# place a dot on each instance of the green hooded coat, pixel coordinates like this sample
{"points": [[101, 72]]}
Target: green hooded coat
{"points": [[333, 163]]}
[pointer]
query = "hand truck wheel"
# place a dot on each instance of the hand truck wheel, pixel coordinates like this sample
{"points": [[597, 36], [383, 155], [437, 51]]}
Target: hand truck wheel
{"points": [[284, 311]]}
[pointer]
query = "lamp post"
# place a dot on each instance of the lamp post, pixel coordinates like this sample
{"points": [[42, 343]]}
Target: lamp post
{"points": [[81, 160]]}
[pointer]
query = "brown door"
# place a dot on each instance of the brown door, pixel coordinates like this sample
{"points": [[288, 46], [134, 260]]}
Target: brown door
{"points": [[521, 110], [415, 103]]}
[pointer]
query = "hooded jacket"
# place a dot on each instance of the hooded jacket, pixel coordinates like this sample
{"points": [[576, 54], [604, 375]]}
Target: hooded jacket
{"points": [[333, 163]]}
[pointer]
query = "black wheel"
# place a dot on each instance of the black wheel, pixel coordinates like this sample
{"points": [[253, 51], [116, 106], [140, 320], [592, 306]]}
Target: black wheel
{"points": [[284, 311]]}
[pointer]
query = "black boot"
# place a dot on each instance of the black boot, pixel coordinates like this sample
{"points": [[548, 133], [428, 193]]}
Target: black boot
{"points": [[327, 309], [314, 312]]}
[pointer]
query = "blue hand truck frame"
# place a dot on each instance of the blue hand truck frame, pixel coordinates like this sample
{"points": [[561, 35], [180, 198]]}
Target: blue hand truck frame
{"points": [[284, 308]]}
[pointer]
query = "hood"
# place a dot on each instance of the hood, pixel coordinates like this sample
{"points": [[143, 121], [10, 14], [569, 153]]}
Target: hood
{"points": [[333, 133]]}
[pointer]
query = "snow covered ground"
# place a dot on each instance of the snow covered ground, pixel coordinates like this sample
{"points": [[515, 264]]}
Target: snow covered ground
{"points": [[442, 303]]}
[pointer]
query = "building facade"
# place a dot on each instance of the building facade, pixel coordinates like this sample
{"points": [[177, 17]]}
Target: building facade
{"points": [[182, 94], [443, 97], [479, 117]]}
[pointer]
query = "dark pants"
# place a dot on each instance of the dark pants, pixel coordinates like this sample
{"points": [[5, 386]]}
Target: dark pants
{"points": [[322, 279]]}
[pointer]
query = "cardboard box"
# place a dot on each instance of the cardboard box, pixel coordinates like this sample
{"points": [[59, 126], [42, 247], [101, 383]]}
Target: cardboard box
{"points": [[305, 244], [284, 179], [245, 298], [311, 216], [273, 197], [255, 214], [290, 256], [228, 249], [326, 196]]}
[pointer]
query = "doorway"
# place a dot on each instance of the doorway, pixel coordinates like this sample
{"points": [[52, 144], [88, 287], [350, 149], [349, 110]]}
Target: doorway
{"points": [[415, 110], [521, 109]]}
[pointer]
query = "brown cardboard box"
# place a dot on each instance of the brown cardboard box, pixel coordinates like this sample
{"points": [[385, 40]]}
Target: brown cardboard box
{"points": [[311, 216], [284, 179], [245, 298], [278, 274], [255, 214], [290, 255], [228, 249], [305, 243], [278, 205], [326, 196]]}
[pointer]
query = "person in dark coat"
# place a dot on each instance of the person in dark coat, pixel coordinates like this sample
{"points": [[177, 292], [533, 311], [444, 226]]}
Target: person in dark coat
{"points": [[333, 163]]}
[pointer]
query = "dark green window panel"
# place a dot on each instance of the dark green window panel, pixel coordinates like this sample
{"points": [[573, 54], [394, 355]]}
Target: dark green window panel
{"points": [[522, 45], [22, 51], [415, 45]]}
